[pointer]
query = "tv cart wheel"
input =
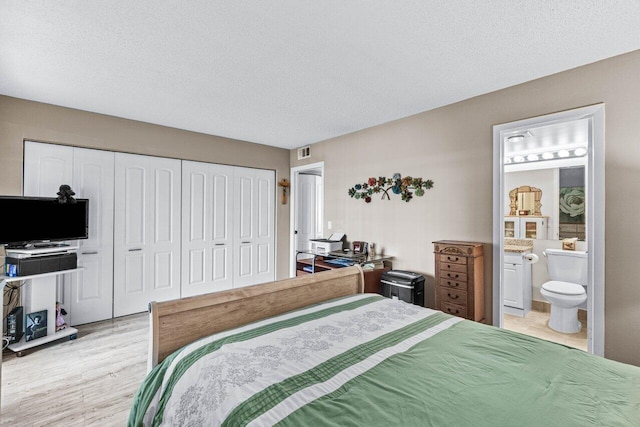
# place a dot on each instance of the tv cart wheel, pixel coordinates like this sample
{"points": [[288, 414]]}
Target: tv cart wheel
{"points": [[73, 337], [19, 354]]}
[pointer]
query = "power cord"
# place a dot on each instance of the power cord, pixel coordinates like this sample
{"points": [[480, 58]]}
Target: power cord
{"points": [[5, 342]]}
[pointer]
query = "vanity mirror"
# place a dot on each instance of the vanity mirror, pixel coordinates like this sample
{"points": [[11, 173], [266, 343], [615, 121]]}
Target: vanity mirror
{"points": [[525, 200]]}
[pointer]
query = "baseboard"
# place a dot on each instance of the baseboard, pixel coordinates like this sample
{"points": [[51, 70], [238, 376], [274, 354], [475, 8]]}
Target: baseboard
{"points": [[545, 307]]}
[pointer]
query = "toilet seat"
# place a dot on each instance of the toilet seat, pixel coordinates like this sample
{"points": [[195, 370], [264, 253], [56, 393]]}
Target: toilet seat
{"points": [[563, 288]]}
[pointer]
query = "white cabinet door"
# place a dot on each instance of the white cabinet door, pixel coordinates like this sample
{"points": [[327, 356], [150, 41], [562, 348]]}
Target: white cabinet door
{"points": [[254, 241], [512, 227], [207, 191], [46, 168], [533, 228], [513, 286], [92, 287], [147, 232]]}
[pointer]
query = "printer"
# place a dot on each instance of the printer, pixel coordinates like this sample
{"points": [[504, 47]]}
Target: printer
{"points": [[325, 246]]}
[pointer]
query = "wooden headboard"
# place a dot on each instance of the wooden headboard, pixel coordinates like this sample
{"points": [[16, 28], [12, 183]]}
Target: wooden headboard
{"points": [[178, 322]]}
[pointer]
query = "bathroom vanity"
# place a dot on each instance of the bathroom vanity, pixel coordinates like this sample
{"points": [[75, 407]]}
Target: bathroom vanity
{"points": [[517, 276]]}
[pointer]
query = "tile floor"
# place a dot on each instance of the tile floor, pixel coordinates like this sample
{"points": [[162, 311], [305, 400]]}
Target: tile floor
{"points": [[535, 324]]}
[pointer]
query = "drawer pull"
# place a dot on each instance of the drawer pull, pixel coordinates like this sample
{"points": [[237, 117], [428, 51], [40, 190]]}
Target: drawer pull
{"points": [[90, 253], [449, 310], [455, 277], [456, 297], [454, 260], [456, 284]]}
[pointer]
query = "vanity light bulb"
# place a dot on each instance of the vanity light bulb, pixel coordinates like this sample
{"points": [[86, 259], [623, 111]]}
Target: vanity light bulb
{"points": [[563, 153], [532, 157], [547, 156], [507, 160], [580, 151], [518, 159]]}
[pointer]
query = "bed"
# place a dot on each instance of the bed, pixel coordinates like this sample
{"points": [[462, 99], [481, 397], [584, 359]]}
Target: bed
{"points": [[315, 350]]}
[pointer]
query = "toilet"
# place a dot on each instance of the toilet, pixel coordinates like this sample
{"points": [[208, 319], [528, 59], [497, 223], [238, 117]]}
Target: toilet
{"points": [[567, 288]]}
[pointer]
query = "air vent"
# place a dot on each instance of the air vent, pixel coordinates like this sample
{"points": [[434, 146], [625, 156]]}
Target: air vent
{"points": [[304, 152]]}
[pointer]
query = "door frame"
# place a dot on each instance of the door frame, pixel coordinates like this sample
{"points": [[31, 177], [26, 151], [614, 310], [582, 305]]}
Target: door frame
{"points": [[295, 171], [595, 215]]}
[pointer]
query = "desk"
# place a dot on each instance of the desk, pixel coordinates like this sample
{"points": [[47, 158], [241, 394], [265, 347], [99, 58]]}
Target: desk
{"points": [[309, 262]]}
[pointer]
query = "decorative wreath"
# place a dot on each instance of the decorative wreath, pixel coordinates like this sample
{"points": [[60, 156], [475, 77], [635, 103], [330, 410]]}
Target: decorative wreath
{"points": [[406, 187]]}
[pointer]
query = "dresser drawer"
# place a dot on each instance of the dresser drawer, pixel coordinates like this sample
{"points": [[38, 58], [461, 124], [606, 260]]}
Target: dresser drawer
{"points": [[455, 309], [454, 284], [453, 296], [456, 259], [449, 266], [453, 275]]}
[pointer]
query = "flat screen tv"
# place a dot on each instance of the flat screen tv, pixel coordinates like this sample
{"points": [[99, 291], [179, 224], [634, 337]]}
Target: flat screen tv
{"points": [[34, 220]]}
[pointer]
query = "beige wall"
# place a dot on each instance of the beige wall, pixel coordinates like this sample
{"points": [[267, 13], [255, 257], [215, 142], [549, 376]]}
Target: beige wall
{"points": [[25, 120], [453, 146]]}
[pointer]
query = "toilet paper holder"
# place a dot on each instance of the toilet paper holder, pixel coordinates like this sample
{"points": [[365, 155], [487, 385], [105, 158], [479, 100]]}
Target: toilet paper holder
{"points": [[531, 258]]}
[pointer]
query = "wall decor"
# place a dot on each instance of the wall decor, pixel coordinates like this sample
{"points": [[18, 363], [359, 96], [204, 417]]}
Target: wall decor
{"points": [[284, 184], [406, 187]]}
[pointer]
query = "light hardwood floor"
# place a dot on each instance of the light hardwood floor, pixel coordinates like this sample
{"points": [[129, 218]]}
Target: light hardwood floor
{"points": [[89, 381]]}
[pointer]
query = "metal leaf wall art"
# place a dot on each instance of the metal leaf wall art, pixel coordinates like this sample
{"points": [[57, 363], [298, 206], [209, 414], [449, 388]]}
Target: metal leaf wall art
{"points": [[406, 187]]}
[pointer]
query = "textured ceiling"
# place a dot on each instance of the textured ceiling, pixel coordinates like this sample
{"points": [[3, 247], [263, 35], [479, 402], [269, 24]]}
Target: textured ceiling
{"points": [[288, 73]]}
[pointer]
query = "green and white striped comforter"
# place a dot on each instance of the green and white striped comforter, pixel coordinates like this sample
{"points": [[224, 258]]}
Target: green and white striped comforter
{"points": [[368, 360]]}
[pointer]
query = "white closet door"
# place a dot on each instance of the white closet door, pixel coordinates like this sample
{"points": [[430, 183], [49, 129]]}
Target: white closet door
{"points": [[88, 294], [254, 241], [206, 228], [46, 168], [147, 232], [92, 287]]}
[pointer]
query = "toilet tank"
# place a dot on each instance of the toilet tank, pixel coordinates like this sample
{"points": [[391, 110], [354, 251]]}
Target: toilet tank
{"points": [[567, 266]]}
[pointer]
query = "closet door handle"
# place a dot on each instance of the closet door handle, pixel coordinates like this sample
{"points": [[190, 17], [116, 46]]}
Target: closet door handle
{"points": [[135, 249]]}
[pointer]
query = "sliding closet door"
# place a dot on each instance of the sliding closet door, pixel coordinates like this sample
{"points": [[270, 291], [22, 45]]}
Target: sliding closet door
{"points": [[254, 241], [147, 232], [206, 227], [87, 295], [92, 287]]}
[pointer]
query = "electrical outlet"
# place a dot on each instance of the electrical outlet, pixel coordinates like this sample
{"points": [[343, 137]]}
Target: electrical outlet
{"points": [[329, 225]]}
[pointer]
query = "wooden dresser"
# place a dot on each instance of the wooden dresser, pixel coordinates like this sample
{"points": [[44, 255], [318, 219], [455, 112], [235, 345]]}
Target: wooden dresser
{"points": [[459, 286]]}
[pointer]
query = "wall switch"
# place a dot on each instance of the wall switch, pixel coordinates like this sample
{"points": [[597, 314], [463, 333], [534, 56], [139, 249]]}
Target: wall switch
{"points": [[329, 225]]}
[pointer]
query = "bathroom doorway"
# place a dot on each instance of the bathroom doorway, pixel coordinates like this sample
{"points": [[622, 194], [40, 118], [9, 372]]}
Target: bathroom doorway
{"points": [[543, 159]]}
